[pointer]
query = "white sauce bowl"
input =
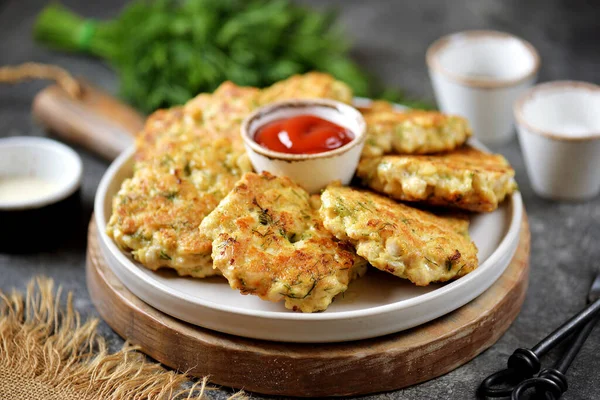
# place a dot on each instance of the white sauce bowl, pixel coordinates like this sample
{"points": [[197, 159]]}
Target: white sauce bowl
{"points": [[559, 131], [48, 160], [311, 171]]}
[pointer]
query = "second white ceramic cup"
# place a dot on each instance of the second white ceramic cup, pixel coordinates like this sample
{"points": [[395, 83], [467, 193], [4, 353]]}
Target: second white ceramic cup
{"points": [[479, 75], [559, 132]]}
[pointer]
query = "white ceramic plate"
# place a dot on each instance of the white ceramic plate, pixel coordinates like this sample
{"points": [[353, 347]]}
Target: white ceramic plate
{"points": [[375, 305]]}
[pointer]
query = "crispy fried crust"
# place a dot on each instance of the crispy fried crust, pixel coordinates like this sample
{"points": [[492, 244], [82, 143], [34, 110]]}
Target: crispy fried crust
{"points": [[404, 241], [268, 241], [412, 132], [307, 86], [224, 110], [188, 158], [161, 123], [465, 178]]}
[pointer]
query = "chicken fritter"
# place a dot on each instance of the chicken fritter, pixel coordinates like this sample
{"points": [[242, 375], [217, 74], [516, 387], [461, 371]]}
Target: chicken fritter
{"points": [[268, 240], [157, 212], [404, 241], [465, 178], [411, 132], [217, 115], [186, 162], [307, 86]]}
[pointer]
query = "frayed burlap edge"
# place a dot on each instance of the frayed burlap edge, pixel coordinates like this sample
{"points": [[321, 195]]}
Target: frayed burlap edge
{"points": [[47, 352]]}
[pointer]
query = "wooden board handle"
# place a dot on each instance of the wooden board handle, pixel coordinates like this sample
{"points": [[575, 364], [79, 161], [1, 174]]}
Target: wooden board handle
{"points": [[95, 120]]}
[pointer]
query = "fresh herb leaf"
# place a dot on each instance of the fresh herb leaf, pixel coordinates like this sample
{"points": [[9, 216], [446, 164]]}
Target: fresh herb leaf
{"points": [[264, 218], [449, 264], [170, 195], [432, 262], [164, 256]]}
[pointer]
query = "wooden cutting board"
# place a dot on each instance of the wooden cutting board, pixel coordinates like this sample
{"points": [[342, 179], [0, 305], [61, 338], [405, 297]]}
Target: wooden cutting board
{"points": [[95, 120], [360, 367]]}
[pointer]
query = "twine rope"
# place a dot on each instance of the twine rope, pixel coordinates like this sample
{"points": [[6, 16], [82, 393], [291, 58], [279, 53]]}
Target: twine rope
{"points": [[29, 71], [47, 351]]}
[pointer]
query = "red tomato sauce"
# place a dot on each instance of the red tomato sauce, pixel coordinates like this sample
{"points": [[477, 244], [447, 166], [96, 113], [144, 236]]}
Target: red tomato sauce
{"points": [[302, 134]]}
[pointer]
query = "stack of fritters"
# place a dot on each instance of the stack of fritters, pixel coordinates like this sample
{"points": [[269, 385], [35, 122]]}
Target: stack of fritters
{"points": [[194, 205], [187, 159], [465, 178], [421, 156], [186, 162]]}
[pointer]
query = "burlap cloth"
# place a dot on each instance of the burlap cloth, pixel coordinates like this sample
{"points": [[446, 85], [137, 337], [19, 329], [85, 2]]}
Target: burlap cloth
{"points": [[47, 352]]}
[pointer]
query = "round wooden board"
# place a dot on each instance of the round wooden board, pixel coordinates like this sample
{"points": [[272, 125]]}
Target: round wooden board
{"points": [[367, 366]]}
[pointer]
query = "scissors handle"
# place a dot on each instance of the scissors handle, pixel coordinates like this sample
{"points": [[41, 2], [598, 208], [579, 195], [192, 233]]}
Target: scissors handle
{"points": [[524, 363], [552, 382], [544, 387], [499, 384]]}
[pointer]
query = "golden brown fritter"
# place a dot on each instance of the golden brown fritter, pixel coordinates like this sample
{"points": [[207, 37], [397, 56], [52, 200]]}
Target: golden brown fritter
{"points": [[393, 237], [466, 178], [157, 212], [412, 132], [211, 116], [186, 162], [308, 86], [156, 217], [269, 241]]}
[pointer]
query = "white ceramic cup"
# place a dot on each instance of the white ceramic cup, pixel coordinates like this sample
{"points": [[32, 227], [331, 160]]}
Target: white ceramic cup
{"points": [[311, 171], [559, 131], [479, 75]]}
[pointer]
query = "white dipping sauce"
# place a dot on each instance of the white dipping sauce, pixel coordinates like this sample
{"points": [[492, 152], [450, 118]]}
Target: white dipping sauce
{"points": [[21, 188]]}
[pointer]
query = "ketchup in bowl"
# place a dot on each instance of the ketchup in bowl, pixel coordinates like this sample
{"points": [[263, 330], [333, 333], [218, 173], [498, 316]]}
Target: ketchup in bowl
{"points": [[302, 134]]}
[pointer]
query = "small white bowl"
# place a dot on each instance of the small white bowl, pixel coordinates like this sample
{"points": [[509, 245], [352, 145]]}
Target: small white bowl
{"points": [[559, 131], [479, 75], [34, 157], [311, 171]]}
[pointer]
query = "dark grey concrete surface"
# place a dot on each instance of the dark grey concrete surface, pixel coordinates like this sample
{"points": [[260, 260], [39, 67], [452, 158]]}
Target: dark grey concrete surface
{"points": [[390, 40]]}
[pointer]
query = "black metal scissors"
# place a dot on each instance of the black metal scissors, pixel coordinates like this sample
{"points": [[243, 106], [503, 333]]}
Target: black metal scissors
{"points": [[518, 378]]}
